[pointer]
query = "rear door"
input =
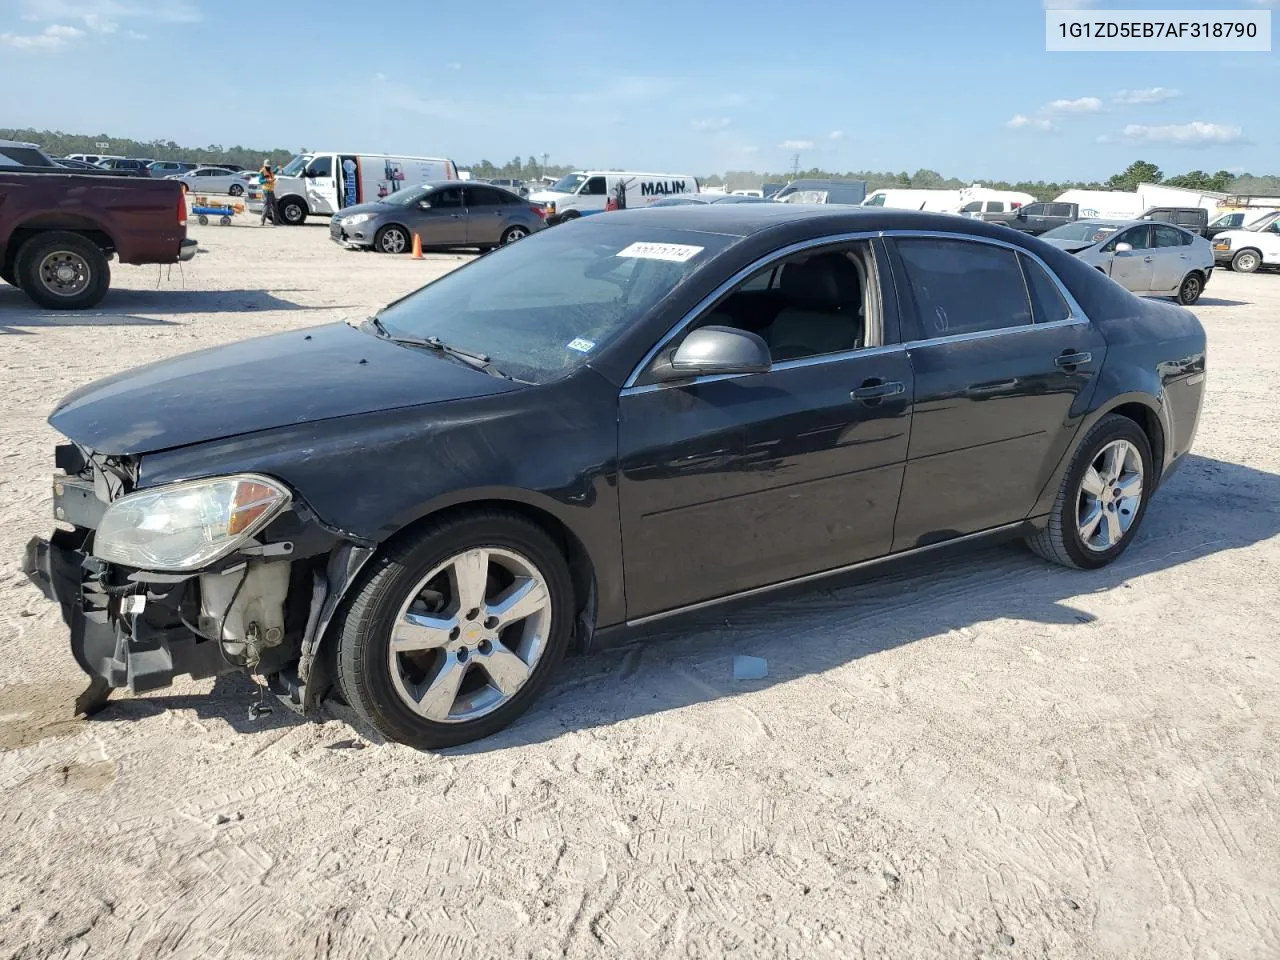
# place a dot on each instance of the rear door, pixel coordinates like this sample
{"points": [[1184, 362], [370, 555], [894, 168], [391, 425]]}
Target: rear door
{"points": [[1003, 366], [1171, 249], [485, 215]]}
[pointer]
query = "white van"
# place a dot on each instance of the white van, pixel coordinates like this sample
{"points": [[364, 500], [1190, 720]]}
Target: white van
{"points": [[594, 191], [936, 201], [321, 184]]}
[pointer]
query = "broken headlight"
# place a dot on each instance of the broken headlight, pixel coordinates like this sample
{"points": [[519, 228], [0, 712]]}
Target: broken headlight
{"points": [[186, 526]]}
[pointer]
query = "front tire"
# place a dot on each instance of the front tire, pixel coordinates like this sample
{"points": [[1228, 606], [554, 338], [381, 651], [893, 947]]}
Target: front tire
{"points": [[392, 238], [1246, 261], [1192, 287], [63, 271], [1103, 497], [455, 632], [293, 211]]}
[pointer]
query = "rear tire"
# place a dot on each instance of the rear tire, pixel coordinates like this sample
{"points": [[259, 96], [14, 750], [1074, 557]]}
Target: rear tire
{"points": [[1192, 287], [1062, 541], [235, 190], [1246, 261], [379, 686], [63, 271], [292, 210], [514, 233]]}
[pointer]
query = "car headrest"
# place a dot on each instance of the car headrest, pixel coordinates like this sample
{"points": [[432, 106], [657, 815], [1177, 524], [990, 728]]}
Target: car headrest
{"points": [[828, 281]]}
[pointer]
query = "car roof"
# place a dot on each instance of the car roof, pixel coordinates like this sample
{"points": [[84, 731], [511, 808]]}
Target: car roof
{"points": [[745, 219]]}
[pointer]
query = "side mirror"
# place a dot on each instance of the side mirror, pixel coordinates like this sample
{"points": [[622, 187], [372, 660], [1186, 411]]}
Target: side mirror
{"points": [[1022, 213], [711, 351], [1124, 248]]}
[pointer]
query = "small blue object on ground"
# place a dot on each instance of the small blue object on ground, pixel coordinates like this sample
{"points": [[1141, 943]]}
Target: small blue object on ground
{"points": [[750, 668]]}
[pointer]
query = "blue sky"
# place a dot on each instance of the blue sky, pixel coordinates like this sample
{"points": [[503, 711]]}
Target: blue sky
{"points": [[965, 89]]}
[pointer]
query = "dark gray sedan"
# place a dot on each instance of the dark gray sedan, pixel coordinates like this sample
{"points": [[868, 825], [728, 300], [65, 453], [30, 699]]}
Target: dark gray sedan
{"points": [[444, 214]]}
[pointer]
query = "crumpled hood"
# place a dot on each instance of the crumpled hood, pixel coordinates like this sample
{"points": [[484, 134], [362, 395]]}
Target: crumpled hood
{"points": [[288, 378]]}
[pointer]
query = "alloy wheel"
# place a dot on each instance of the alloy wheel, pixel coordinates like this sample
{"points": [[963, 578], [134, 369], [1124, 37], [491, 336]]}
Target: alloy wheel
{"points": [[64, 273], [469, 635], [393, 241], [1191, 289], [514, 234], [1110, 496]]}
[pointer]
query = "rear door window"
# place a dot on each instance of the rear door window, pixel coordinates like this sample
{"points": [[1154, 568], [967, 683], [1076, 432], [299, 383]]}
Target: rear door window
{"points": [[1046, 300], [962, 287], [484, 197], [1167, 236]]}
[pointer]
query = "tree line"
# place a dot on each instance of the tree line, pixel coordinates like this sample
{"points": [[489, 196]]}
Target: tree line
{"points": [[60, 144]]}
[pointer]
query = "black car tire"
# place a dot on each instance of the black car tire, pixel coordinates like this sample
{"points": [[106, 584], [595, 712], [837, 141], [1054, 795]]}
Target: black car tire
{"points": [[363, 633], [292, 210], [1192, 287], [235, 190], [1059, 542], [1247, 260], [383, 235], [34, 252]]}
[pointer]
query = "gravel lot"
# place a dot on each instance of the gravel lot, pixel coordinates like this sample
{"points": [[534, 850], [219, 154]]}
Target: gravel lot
{"points": [[991, 757]]}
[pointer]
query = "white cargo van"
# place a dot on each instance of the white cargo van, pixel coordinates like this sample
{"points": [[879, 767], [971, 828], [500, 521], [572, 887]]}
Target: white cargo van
{"points": [[321, 184], [595, 191], [936, 201]]}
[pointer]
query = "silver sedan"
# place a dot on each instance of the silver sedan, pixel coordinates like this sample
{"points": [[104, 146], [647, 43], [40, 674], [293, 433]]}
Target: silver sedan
{"points": [[216, 180], [1150, 259]]}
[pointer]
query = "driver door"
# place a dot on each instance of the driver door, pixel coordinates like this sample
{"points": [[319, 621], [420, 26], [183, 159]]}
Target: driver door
{"points": [[321, 185], [1132, 269], [442, 221]]}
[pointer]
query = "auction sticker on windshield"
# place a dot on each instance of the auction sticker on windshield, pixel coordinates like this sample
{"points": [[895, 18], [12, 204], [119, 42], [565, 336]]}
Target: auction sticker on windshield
{"points": [[674, 252], [581, 345]]}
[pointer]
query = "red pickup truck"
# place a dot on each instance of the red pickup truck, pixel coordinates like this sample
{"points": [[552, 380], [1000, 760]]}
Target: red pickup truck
{"points": [[58, 230]]}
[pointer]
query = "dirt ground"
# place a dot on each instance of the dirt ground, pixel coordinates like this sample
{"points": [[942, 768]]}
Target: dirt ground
{"points": [[989, 757]]}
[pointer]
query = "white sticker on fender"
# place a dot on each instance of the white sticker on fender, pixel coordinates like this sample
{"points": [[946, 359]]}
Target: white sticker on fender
{"points": [[674, 252]]}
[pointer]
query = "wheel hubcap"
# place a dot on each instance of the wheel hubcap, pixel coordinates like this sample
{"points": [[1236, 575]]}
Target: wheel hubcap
{"points": [[1110, 495], [393, 241], [470, 634], [1190, 288], [64, 273], [1247, 261], [515, 234]]}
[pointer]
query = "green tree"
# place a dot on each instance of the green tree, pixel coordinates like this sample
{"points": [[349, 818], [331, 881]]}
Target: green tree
{"points": [[1140, 171]]}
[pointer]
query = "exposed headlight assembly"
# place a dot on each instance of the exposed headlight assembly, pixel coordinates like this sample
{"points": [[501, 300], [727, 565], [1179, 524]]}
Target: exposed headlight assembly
{"points": [[355, 218], [187, 526], [1221, 243]]}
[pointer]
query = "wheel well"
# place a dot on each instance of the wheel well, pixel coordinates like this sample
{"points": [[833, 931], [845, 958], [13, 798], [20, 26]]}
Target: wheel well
{"points": [[581, 569], [1146, 418], [87, 229]]}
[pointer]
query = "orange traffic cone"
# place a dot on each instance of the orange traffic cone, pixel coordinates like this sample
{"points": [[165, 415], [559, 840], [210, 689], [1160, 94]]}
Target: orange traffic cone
{"points": [[417, 247]]}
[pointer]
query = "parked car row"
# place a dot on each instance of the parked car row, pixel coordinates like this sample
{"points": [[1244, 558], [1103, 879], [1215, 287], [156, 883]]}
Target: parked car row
{"points": [[143, 166]]}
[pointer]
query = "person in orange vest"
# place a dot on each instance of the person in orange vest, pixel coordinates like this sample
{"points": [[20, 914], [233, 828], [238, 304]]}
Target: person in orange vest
{"points": [[267, 180]]}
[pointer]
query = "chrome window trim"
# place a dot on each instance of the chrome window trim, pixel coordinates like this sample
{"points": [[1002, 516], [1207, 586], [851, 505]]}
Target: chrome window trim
{"points": [[1078, 316]]}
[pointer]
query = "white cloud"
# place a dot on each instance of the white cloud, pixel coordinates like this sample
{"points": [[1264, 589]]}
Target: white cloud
{"points": [[1082, 105], [53, 37], [1069, 4], [98, 24], [135, 35], [711, 125], [1194, 134], [1020, 121], [835, 135], [1149, 95], [796, 144], [102, 16]]}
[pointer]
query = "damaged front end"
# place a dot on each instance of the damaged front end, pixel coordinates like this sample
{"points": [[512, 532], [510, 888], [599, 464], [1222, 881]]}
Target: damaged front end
{"points": [[198, 578]]}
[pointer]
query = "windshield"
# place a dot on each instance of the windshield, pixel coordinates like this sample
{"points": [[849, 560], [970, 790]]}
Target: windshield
{"points": [[1081, 230], [545, 306], [406, 198], [295, 166], [569, 183]]}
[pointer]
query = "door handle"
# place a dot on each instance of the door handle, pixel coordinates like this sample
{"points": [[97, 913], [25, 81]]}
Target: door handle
{"points": [[1069, 359], [874, 390], [994, 387], [1147, 259]]}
